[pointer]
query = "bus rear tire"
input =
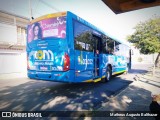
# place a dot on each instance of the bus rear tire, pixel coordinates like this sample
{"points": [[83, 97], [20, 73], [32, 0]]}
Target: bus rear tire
{"points": [[108, 74]]}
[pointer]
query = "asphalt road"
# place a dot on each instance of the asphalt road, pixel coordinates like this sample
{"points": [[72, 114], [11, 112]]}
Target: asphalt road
{"points": [[23, 94]]}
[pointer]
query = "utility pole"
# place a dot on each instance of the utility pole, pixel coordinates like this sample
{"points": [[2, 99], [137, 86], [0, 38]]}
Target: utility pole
{"points": [[30, 10]]}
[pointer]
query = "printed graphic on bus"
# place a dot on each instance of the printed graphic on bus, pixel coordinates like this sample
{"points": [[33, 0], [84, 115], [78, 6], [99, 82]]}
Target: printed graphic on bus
{"points": [[53, 27]]}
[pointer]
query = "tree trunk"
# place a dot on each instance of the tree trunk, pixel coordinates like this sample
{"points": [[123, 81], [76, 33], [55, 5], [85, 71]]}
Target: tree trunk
{"points": [[156, 64], [157, 60]]}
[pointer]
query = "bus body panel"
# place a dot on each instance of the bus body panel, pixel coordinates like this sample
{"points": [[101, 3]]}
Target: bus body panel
{"points": [[119, 65], [59, 76], [84, 65]]}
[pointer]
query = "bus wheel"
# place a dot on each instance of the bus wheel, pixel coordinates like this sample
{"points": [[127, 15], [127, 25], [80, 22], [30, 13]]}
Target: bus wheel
{"points": [[108, 73]]}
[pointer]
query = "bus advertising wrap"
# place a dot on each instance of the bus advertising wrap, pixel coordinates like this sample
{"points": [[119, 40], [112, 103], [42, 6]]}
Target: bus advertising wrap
{"points": [[53, 27]]}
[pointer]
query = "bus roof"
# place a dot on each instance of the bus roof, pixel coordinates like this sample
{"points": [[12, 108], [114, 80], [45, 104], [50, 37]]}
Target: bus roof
{"points": [[48, 16]]}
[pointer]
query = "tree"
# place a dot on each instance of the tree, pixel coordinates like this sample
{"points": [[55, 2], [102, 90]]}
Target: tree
{"points": [[147, 37]]}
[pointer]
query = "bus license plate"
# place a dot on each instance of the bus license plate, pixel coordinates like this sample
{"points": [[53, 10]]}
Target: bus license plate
{"points": [[45, 68]]}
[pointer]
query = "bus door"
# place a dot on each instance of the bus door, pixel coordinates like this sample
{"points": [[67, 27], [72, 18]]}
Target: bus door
{"points": [[96, 41]]}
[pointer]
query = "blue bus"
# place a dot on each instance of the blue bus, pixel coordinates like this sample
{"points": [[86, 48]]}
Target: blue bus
{"points": [[63, 47]]}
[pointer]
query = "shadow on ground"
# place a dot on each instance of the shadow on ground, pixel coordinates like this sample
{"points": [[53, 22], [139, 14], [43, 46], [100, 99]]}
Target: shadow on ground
{"points": [[51, 96], [137, 71], [133, 99]]}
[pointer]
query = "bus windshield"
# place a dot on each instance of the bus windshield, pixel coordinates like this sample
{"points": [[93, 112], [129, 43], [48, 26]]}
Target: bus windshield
{"points": [[47, 28]]}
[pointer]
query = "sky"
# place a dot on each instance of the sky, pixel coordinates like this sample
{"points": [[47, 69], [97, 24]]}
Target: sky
{"points": [[94, 11]]}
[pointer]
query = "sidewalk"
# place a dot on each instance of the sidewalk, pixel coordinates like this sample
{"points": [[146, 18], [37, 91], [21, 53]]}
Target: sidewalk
{"points": [[136, 97], [12, 75]]}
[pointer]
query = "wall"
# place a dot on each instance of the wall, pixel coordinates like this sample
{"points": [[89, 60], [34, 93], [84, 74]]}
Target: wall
{"points": [[8, 33], [146, 59], [13, 63], [12, 45]]}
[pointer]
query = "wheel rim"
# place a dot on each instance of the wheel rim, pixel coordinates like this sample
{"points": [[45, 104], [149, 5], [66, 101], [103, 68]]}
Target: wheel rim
{"points": [[108, 75]]}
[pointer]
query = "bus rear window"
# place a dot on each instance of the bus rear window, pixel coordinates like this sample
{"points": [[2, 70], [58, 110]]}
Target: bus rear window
{"points": [[52, 27]]}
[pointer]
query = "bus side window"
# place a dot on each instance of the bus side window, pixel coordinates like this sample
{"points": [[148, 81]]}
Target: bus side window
{"points": [[104, 46], [108, 46], [117, 48], [82, 37], [78, 46]]}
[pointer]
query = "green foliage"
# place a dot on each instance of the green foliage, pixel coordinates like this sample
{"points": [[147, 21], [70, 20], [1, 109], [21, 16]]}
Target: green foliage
{"points": [[147, 36]]}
